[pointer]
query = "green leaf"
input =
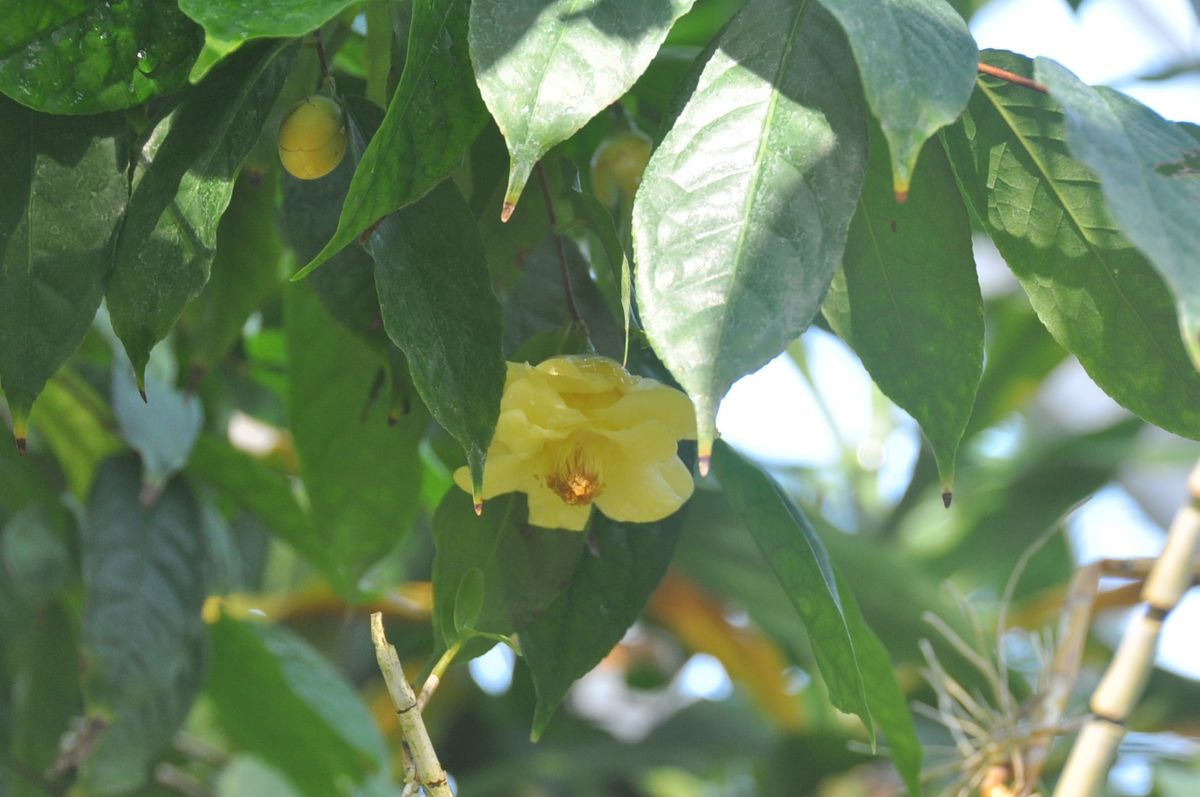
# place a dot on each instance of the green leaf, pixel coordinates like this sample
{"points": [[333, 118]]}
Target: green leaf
{"points": [[143, 582], [800, 563], [73, 420], [907, 299], [170, 233], [468, 601], [246, 269], [742, 214], [89, 57], [65, 190], [606, 593], [431, 121], [438, 307], [362, 471], [522, 567], [545, 67], [162, 432], [1099, 297], [275, 696], [249, 776], [34, 555], [236, 20], [1149, 170], [917, 61]]}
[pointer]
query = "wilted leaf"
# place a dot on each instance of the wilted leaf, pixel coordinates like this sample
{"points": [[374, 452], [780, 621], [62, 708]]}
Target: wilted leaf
{"points": [[742, 214]]}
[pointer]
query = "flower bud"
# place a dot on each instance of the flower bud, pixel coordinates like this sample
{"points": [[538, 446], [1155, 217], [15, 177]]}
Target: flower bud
{"points": [[312, 138]]}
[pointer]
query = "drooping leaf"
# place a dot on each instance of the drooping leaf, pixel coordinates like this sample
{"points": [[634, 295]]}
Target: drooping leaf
{"points": [[362, 471], [170, 233], [852, 660], [1099, 297], [545, 67], [1149, 170], [277, 698], [81, 56], [917, 61], [143, 639], [907, 299], [523, 567], [64, 192], [236, 21], [608, 590], [431, 121], [438, 307], [246, 268], [742, 214], [162, 432]]}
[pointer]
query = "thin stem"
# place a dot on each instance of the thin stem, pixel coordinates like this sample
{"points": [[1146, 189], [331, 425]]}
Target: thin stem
{"points": [[558, 243], [435, 675], [1012, 77], [321, 55], [425, 765]]}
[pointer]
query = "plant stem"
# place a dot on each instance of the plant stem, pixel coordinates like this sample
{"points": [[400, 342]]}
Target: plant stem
{"points": [[1012, 77], [426, 769], [1123, 682], [321, 55], [435, 675], [568, 291]]}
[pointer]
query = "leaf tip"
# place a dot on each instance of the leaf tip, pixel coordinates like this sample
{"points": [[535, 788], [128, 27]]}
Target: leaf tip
{"points": [[705, 456], [947, 497], [507, 210], [20, 430], [478, 502]]}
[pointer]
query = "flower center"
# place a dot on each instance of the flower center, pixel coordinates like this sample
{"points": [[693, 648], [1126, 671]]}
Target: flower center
{"points": [[575, 480]]}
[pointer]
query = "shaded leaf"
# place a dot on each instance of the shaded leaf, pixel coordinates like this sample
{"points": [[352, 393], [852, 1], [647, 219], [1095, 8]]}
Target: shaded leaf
{"points": [[64, 192], [917, 61], [742, 214], [235, 20], [162, 432], [545, 67], [170, 232], [277, 698], [610, 586], [143, 581], [1099, 297], [522, 567], [73, 420], [1149, 170], [438, 307], [907, 299], [361, 471], [432, 118], [86, 57], [34, 555]]}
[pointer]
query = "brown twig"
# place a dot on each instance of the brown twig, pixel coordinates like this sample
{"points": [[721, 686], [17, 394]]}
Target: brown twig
{"points": [[1012, 77], [558, 243]]}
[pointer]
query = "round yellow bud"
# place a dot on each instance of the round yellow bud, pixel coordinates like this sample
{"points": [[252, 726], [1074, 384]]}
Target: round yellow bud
{"points": [[618, 164], [312, 138]]}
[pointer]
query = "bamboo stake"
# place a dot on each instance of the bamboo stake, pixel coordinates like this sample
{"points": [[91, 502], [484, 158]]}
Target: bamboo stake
{"points": [[1122, 684], [424, 762]]}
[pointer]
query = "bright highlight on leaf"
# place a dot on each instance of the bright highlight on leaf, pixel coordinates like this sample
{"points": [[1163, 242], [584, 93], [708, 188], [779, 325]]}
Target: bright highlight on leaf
{"points": [[313, 138], [581, 430]]}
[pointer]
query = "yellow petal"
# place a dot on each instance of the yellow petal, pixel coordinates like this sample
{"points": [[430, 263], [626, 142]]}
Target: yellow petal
{"points": [[652, 401], [547, 510], [643, 492], [501, 474], [586, 373]]}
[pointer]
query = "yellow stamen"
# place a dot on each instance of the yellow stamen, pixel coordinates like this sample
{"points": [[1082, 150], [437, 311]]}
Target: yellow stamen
{"points": [[575, 481]]}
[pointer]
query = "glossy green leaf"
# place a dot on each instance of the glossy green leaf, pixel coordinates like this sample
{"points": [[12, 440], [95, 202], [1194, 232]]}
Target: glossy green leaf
{"points": [[87, 57], [237, 20], [143, 582], [545, 67], [431, 121], [468, 601], [742, 214], [605, 594], [852, 660], [169, 237], [278, 698], [917, 61], [361, 471], [246, 269], [162, 432], [522, 568], [64, 192], [907, 299], [1148, 169], [438, 307], [1099, 297]]}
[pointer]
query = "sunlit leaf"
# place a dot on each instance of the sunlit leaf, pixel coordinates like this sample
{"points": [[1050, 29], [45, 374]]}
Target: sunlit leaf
{"points": [[235, 20]]}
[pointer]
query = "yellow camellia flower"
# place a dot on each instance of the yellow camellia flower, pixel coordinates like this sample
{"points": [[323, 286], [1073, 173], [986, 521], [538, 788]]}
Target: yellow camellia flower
{"points": [[312, 138], [581, 430]]}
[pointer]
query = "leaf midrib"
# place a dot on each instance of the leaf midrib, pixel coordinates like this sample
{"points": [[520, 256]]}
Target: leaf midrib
{"points": [[1048, 180]]}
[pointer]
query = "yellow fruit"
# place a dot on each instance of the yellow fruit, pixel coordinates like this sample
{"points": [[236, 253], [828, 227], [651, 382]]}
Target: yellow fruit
{"points": [[618, 164], [581, 430], [312, 138]]}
